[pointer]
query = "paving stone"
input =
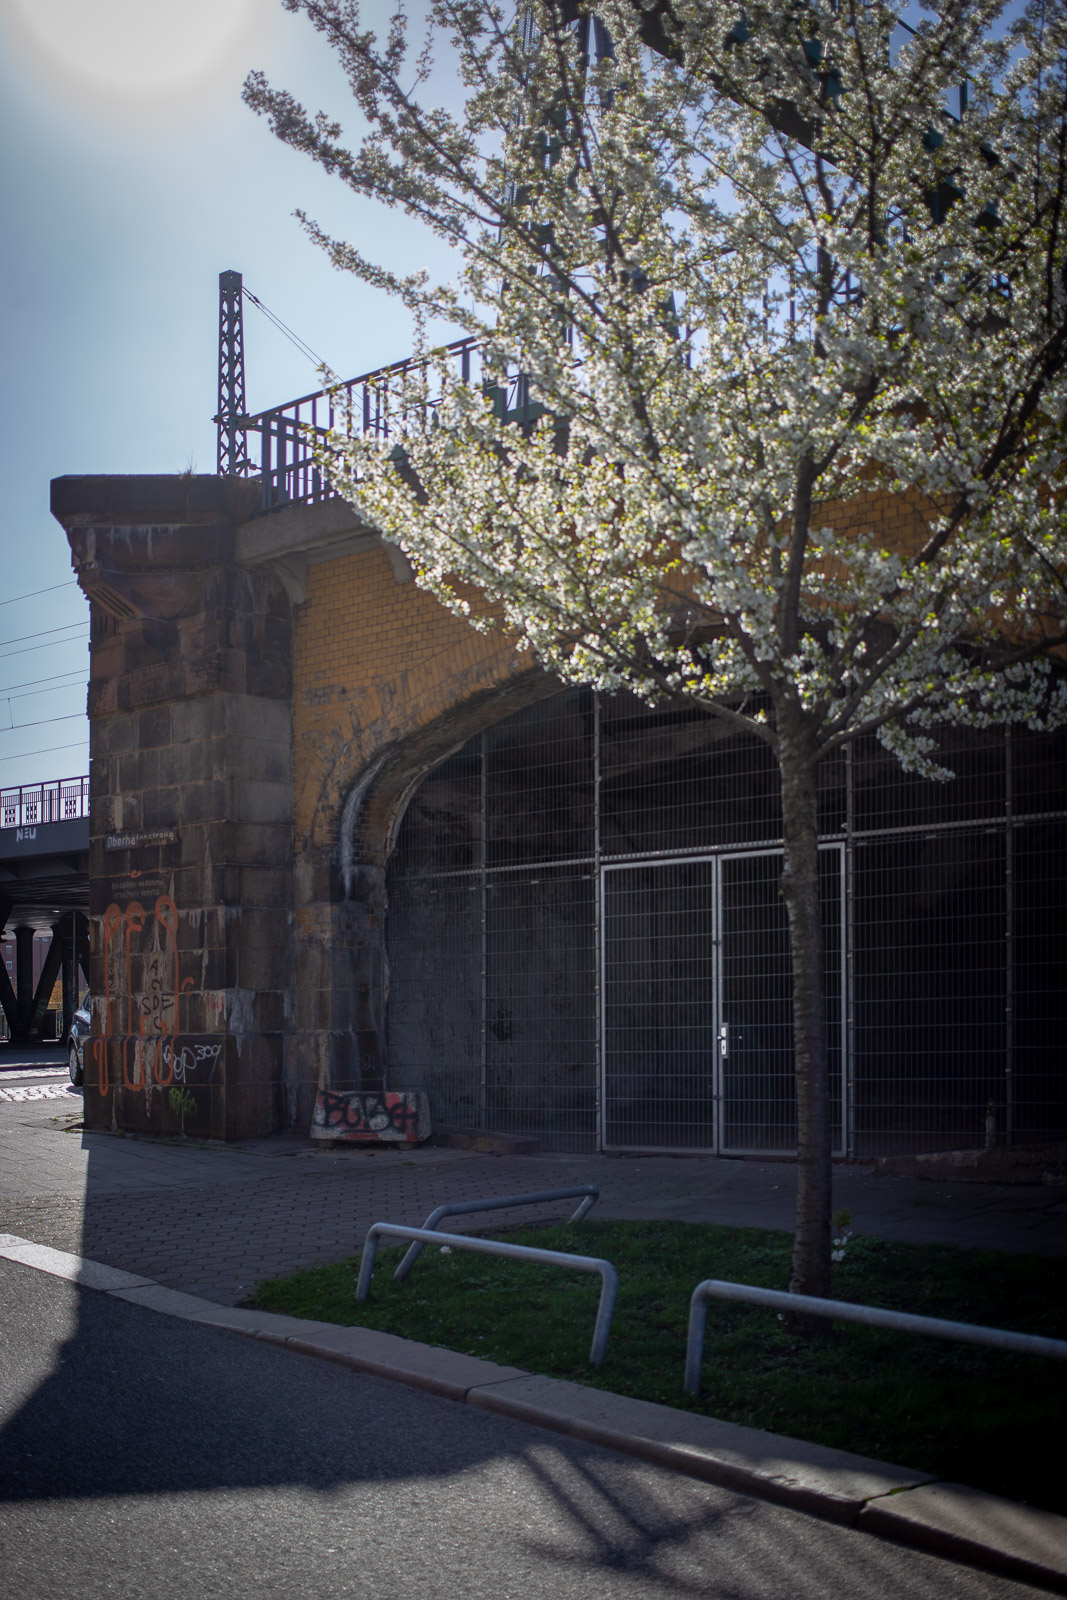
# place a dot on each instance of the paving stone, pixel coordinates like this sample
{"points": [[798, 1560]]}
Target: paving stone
{"points": [[222, 1219]]}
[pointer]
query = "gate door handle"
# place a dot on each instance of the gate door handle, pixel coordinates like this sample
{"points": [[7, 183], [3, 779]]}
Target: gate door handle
{"points": [[724, 1040]]}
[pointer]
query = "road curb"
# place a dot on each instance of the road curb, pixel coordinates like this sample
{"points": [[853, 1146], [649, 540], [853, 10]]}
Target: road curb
{"points": [[909, 1507]]}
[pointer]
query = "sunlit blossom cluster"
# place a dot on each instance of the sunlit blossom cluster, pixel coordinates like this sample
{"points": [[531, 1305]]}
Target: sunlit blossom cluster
{"points": [[731, 318]]}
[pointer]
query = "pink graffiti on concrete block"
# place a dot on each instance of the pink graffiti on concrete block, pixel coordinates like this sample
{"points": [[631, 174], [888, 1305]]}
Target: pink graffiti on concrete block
{"points": [[363, 1117]]}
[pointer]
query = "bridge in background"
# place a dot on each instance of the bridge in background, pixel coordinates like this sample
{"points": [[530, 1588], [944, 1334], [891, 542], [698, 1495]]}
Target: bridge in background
{"points": [[44, 887]]}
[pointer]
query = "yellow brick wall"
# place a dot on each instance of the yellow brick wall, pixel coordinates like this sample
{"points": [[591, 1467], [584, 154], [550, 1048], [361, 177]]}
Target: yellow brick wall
{"points": [[374, 661]]}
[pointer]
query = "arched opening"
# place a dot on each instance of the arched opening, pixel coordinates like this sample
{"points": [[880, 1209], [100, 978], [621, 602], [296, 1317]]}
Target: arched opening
{"points": [[586, 940]]}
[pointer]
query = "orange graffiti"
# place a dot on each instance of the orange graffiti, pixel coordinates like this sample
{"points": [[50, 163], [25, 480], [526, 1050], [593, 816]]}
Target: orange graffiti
{"points": [[126, 1064], [98, 1048], [162, 1055], [151, 1008]]}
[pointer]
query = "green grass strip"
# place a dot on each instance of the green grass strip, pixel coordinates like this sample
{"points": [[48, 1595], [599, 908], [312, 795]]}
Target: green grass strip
{"points": [[974, 1416]]}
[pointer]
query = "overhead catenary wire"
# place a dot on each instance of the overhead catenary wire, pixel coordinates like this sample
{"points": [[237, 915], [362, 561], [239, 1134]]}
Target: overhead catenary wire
{"points": [[77, 673], [15, 598], [24, 755], [294, 338], [43, 633], [53, 644], [39, 722]]}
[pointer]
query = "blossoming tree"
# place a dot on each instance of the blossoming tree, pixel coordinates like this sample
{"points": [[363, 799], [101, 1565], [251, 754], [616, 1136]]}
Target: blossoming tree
{"points": [[766, 273]]}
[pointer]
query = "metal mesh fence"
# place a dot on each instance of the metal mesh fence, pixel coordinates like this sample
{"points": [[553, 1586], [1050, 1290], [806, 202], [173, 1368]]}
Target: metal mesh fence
{"points": [[584, 897]]}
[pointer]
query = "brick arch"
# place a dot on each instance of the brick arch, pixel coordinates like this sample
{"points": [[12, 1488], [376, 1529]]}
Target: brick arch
{"points": [[386, 684]]}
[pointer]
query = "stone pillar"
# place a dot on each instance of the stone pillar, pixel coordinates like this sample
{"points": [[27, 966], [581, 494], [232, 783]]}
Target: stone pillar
{"points": [[64, 931], [190, 856], [24, 980]]}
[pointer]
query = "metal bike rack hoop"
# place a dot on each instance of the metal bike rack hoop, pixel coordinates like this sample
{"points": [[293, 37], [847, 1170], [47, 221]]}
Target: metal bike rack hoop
{"points": [[515, 1252], [1027, 1344], [460, 1208]]}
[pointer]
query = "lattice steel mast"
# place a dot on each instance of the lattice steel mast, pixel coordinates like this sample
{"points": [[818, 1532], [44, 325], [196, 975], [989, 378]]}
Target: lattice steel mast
{"points": [[233, 457]]}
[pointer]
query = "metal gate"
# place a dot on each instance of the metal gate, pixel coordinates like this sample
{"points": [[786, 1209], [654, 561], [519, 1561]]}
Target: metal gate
{"points": [[696, 993]]}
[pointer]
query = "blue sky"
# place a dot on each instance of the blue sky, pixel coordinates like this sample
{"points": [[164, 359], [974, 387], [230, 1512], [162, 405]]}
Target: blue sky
{"points": [[130, 176]]}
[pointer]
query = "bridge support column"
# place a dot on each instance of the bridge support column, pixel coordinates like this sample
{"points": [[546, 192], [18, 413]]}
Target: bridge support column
{"points": [[23, 983], [46, 982], [190, 844], [65, 932], [7, 993]]}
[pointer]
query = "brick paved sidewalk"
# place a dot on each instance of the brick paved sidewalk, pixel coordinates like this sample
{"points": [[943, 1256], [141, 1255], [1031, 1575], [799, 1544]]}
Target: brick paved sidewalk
{"points": [[215, 1221]]}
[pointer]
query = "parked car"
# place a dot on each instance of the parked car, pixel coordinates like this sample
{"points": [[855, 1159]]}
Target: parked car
{"points": [[79, 1032]]}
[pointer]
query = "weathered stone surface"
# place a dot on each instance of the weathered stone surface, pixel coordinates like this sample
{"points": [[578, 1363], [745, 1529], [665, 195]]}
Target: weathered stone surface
{"points": [[208, 627], [180, 743]]}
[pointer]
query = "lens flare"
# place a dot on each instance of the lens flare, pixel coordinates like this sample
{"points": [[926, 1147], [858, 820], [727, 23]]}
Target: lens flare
{"points": [[136, 49]]}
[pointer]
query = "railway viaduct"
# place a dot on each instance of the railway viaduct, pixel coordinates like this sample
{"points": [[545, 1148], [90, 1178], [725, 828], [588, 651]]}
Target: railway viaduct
{"points": [[265, 693], [269, 687]]}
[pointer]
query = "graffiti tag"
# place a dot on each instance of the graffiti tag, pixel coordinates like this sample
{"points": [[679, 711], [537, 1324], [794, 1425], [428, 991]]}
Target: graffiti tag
{"points": [[184, 1061], [369, 1117]]}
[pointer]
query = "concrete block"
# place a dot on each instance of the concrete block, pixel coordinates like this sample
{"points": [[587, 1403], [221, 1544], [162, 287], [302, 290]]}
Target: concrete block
{"points": [[153, 727], [257, 760], [205, 801], [267, 672], [967, 1525], [138, 769], [258, 966], [371, 1118], [259, 842], [159, 807], [424, 1366], [256, 801], [198, 719], [61, 1264], [259, 718], [182, 763], [114, 735], [811, 1477], [266, 886]]}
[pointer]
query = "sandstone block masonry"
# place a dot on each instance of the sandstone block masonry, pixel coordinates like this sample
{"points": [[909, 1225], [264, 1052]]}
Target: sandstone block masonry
{"points": [[265, 693]]}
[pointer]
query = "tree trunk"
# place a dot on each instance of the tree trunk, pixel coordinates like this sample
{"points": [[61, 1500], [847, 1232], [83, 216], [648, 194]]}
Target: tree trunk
{"points": [[800, 887]]}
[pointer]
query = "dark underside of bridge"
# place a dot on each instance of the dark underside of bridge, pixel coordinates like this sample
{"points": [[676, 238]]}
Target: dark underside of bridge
{"points": [[44, 888]]}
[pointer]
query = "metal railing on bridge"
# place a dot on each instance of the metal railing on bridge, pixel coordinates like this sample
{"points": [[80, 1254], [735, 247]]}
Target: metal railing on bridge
{"points": [[56, 800], [379, 403]]}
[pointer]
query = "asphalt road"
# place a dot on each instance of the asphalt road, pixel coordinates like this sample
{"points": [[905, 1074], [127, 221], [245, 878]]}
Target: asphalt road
{"points": [[141, 1456]]}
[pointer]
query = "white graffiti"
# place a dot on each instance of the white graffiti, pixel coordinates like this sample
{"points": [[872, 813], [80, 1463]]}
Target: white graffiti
{"points": [[189, 1057], [47, 1091]]}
